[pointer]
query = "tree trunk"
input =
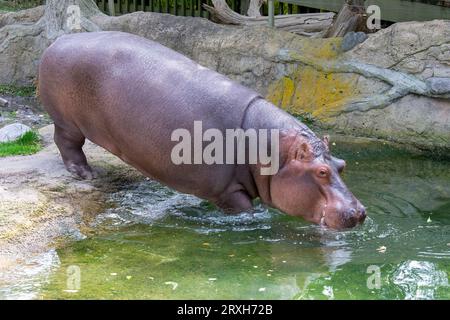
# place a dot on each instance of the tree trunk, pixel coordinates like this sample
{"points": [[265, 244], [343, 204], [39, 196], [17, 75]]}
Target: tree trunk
{"points": [[351, 17], [24, 35], [57, 14]]}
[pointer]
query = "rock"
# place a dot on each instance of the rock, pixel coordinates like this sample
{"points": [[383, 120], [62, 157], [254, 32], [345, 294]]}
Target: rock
{"points": [[416, 121], [40, 201], [24, 16], [13, 132], [3, 102], [408, 46], [439, 85], [352, 39], [250, 55], [21, 45]]}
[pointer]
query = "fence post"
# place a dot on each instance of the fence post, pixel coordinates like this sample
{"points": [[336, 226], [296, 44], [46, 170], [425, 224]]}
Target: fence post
{"points": [[271, 13], [111, 8]]}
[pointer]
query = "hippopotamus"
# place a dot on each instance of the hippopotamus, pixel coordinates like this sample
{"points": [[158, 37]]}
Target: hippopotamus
{"points": [[128, 94]]}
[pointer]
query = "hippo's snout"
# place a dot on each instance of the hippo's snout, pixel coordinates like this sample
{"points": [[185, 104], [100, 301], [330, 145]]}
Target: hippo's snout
{"points": [[354, 216], [362, 214], [358, 214]]}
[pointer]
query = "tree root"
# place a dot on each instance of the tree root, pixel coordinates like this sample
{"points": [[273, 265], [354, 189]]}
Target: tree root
{"points": [[401, 84]]}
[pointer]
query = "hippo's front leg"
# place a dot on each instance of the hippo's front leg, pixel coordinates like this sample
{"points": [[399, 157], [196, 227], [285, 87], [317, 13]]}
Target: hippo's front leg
{"points": [[70, 144], [235, 202]]}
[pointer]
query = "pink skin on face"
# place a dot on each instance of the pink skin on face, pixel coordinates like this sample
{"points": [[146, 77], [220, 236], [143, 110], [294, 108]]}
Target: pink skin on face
{"points": [[311, 187]]}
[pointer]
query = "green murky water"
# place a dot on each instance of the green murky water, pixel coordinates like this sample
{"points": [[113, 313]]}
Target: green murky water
{"points": [[161, 244]]}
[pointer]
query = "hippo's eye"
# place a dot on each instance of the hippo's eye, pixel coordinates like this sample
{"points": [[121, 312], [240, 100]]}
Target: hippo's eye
{"points": [[322, 172]]}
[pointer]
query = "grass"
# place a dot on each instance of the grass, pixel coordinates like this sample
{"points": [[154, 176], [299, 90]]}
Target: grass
{"points": [[12, 90], [28, 144]]}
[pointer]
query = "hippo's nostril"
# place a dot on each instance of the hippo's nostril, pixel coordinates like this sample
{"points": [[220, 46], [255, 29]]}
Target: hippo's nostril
{"points": [[352, 212], [362, 211], [362, 214]]}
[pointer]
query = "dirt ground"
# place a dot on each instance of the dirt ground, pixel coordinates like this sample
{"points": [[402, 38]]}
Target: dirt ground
{"points": [[40, 201]]}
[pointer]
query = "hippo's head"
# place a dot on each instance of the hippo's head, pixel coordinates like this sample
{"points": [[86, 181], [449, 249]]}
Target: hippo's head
{"points": [[309, 185]]}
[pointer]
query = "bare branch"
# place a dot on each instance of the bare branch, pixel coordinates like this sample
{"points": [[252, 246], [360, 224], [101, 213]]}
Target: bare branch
{"points": [[254, 8], [304, 24]]}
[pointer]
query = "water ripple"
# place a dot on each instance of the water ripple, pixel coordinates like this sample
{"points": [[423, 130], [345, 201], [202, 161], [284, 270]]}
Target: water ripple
{"points": [[419, 279]]}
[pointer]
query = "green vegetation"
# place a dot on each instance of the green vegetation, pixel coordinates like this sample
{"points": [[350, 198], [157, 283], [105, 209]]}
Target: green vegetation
{"points": [[9, 6], [305, 117], [12, 90], [14, 6], [27, 144], [6, 6]]}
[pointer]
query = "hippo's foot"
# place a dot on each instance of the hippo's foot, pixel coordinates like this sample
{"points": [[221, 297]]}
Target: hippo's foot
{"points": [[70, 142], [84, 172]]}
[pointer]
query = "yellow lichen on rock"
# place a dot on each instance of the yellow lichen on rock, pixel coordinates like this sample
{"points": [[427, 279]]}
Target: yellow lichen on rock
{"points": [[317, 47], [307, 90]]}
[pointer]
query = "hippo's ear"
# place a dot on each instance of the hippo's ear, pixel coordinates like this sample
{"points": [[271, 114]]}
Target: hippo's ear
{"points": [[300, 150]]}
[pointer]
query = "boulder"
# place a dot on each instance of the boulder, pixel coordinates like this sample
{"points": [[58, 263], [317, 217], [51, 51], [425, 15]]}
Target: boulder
{"points": [[352, 39], [13, 132], [3, 102]]}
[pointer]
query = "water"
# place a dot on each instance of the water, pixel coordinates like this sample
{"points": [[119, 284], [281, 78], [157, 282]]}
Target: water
{"points": [[156, 243]]}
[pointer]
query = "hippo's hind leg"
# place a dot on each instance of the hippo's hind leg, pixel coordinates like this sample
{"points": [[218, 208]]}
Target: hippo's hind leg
{"points": [[70, 143]]}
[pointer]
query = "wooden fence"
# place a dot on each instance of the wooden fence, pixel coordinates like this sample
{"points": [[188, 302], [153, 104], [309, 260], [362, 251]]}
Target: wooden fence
{"points": [[177, 7], [193, 8], [27, 3], [391, 10]]}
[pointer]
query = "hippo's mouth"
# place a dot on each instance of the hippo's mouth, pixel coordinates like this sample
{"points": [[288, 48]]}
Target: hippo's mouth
{"points": [[322, 221]]}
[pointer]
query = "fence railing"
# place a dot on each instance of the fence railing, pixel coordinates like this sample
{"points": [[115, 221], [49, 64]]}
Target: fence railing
{"points": [[193, 8], [392, 10]]}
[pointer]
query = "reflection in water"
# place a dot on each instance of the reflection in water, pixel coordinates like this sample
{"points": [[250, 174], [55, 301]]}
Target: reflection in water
{"points": [[153, 236]]}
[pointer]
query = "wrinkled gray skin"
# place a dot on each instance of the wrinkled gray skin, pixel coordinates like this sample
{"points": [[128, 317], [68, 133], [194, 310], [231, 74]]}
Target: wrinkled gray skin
{"points": [[127, 94]]}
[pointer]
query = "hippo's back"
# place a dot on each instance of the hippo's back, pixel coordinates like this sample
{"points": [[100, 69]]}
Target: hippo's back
{"points": [[128, 94]]}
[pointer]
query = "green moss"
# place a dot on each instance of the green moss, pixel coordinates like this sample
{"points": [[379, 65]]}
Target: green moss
{"points": [[20, 91], [27, 144]]}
